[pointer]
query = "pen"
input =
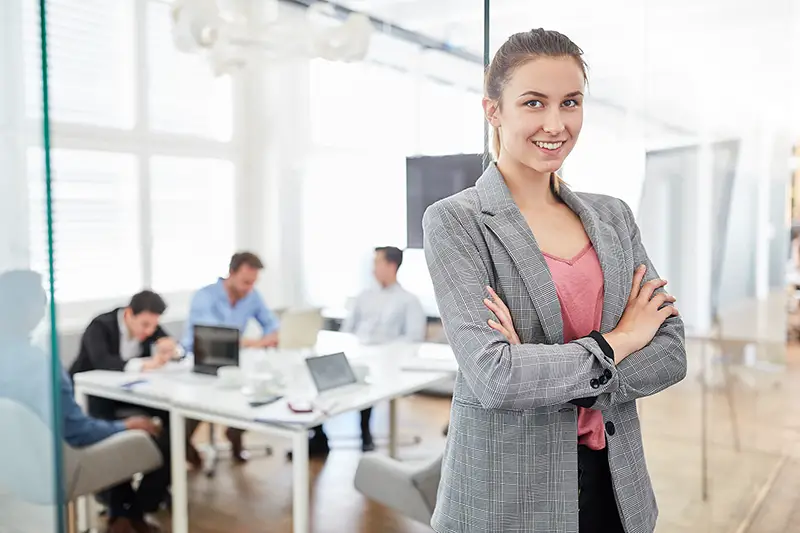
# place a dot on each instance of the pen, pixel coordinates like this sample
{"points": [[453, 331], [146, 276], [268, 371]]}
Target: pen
{"points": [[132, 384]]}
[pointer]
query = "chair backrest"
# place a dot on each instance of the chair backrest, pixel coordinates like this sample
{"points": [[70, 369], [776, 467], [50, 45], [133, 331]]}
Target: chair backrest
{"points": [[299, 328], [26, 455]]}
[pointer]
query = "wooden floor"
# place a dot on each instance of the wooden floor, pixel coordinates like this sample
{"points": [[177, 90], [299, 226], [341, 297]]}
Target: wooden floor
{"points": [[753, 487]]}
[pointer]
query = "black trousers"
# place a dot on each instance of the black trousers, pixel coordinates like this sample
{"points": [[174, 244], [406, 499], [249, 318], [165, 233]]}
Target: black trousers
{"points": [[123, 500], [598, 505]]}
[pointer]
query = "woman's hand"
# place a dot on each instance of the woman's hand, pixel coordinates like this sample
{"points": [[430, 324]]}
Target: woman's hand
{"points": [[506, 325], [642, 317]]}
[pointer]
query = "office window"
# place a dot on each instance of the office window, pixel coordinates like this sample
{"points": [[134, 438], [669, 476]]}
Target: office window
{"points": [[449, 120], [361, 105], [193, 230], [339, 236], [185, 97], [90, 59], [96, 238]]}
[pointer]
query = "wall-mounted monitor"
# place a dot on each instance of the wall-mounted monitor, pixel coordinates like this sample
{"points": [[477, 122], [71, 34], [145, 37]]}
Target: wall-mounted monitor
{"points": [[431, 178]]}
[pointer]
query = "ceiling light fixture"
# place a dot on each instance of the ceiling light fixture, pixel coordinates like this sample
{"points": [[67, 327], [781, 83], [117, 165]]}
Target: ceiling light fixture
{"points": [[226, 37]]}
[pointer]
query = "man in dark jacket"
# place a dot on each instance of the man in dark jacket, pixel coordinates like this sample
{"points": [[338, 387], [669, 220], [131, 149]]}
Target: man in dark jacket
{"points": [[129, 339]]}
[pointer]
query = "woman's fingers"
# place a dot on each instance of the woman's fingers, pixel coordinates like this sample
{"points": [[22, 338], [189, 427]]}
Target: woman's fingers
{"points": [[661, 299], [667, 311], [638, 276], [510, 335], [498, 327], [649, 288], [499, 301], [499, 309]]}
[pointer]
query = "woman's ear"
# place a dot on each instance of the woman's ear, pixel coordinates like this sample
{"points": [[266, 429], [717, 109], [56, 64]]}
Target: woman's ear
{"points": [[491, 109]]}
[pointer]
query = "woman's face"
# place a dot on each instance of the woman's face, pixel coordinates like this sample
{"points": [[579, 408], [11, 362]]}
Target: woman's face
{"points": [[540, 114]]}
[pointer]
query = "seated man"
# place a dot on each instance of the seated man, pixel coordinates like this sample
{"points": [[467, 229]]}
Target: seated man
{"points": [[385, 313], [25, 378], [128, 339], [231, 302]]}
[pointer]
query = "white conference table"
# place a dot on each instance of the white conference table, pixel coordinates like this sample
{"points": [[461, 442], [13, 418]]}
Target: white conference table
{"points": [[184, 394]]}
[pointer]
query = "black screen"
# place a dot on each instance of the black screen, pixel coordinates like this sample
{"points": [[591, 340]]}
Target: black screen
{"points": [[431, 178], [216, 346]]}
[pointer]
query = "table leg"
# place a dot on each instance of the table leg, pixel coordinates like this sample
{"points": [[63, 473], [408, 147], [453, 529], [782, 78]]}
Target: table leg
{"points": [[180, 499], [301, 486], [82, 504], [393, 428], [703, 424]]}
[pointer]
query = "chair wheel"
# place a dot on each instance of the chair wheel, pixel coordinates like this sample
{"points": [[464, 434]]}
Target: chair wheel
{"points": [[269, 451]]}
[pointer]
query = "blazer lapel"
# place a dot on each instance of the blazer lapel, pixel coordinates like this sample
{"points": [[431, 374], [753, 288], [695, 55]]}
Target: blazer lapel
{"points": [[503, 218], [609, 250]]}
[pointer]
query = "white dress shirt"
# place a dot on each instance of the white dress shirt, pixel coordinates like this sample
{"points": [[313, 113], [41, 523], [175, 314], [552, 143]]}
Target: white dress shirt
{"points": [[129, 347], [386, 314]]}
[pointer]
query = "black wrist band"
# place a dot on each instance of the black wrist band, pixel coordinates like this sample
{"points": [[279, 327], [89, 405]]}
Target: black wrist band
{"points": [[601, 341]]}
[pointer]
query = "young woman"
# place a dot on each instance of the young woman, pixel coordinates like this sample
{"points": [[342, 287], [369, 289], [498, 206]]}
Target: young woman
{"points": [[557, 318]]}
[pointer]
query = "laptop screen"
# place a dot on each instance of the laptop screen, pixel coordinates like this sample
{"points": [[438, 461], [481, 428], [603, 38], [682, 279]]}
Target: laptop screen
{"points": [[215, 346], [330, 371]]}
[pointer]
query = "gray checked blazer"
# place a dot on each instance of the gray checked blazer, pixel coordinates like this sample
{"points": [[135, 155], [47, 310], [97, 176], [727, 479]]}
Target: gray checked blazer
{"points": [[510, 464]]}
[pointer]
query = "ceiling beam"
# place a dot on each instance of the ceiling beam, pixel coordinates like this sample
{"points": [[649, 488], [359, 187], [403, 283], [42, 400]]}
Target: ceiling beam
{"points": [[399, 32]]}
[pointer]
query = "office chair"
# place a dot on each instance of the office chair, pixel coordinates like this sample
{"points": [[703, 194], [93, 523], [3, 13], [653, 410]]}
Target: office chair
{"points": [[408, 488], [85, 470]]}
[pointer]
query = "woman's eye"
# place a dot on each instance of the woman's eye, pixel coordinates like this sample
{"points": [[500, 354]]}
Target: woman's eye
{"points": [[534, 103], [571, 103]]}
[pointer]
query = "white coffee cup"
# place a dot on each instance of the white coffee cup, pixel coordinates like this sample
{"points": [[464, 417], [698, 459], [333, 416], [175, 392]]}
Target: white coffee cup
{"points": [[229, 376], [361, 372]]}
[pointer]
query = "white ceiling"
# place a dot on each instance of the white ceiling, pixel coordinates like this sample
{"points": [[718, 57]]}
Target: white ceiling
{"points": [[702, 66]]}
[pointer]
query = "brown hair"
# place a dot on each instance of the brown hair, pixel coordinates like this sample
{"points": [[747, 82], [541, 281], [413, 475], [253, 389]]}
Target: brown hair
{"points": [[519, 49], [245, 258]]}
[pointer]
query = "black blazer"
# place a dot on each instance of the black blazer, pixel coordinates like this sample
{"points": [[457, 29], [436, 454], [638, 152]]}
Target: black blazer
{"points": [[100, 345]]}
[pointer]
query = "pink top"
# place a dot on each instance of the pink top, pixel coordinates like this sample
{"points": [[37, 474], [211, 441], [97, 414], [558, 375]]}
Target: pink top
{"points": [[579, 285]]}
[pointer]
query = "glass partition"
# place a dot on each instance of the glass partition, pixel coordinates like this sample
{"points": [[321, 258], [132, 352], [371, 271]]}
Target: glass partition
{"points": [[31, 484], [416, 95]]}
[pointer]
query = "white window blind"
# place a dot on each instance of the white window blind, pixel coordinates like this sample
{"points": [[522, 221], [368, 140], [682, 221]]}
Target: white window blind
{"points": [[193, 213], [185, 97], [96, 236], [90, 60]]}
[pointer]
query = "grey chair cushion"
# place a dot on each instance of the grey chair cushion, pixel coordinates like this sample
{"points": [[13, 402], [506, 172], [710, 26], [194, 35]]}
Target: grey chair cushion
{"points": [[409, 488], [27, 470], [109, 462]]}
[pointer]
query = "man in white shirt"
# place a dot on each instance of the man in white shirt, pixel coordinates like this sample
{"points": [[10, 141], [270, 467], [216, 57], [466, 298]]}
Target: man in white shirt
{"points": [[386, 312], [383, 314]]}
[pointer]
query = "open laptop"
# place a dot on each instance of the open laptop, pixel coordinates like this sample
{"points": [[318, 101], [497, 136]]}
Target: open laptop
{"points": [[333, 376], [215, 347]]}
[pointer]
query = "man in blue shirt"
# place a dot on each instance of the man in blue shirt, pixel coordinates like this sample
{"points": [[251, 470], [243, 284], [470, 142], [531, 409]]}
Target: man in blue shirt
{"points": [[25, 379], [232, 302]]}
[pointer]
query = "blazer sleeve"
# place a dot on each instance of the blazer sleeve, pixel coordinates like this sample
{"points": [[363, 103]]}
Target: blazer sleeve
{"points": [[660, 364], [501, 375], [99, 348]]}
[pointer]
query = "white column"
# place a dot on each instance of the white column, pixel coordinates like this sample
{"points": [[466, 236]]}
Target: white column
{"points": [[272, 111]]}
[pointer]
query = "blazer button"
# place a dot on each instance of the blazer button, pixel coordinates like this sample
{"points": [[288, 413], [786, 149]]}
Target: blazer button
{"points": [[603, 379], [607, 373], [594, 383], [610, 428]]}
